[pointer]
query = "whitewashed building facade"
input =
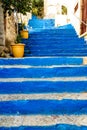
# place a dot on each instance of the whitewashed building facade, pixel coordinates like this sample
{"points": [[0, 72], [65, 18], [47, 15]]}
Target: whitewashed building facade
{"points": [[53, 9]]}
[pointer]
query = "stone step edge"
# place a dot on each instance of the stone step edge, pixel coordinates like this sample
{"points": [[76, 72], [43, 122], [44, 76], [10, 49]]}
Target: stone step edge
{"points": [[44, 96], [53, 79], [42, 57], [42, 66], [42, 120]]}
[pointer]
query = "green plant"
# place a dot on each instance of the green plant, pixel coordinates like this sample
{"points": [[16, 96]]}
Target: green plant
{"points": [[19, 6], [38, 8], [22, 25], [18, 39]]}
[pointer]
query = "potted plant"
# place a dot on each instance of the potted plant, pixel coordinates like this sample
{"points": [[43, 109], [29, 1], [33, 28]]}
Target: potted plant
{"points": [[24, 31], [15, 6], [17, 48]]}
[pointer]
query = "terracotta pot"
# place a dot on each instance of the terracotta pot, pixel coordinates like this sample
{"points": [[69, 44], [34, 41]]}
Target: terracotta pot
{"points": [[18, 50], [24, 34]]}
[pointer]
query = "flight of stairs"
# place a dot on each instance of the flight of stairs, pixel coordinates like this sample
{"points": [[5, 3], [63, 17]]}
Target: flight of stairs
{"points": [[36, 23], [47, 89], [61, 41]]}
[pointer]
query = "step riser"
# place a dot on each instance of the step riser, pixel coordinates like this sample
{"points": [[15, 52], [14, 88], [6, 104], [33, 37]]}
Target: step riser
{"points": [[56, 35], [55, 42], [54, 127], [27, 87], [43, 72], [57, 54], [52, 49], [44, 107], [54, 31], [56, 47], [43, 61]]}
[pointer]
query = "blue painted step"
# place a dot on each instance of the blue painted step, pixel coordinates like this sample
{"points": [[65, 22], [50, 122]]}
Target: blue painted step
{"points": [[55, 51], [54, 32], [41, 23], [47, 107], [30, 54], [42, 61], [32, 87], [54, 127], [53, 41], [58, 48], [43, 72]]}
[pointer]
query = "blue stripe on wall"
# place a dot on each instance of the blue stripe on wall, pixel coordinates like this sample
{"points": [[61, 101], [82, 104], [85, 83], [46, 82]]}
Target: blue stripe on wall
{"points": [[56, 127], [43, 72], [42, 87], [47, 107]]}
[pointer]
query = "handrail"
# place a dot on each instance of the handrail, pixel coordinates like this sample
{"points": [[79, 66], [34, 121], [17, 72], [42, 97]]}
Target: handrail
{"points": [[83, 35], [81, 21]]}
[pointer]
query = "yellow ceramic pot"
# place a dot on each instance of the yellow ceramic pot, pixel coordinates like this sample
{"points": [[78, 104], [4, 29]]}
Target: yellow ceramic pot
{"points": [[24, 34], [17, 50]]}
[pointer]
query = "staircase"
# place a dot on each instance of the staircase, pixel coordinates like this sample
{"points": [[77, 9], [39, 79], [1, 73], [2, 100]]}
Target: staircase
{"points": [[36, 23], [61, 41], [43, 93], [47, 89]]}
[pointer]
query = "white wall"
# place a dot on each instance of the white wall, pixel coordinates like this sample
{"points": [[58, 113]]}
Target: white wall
{"points": [[50, 9], [75, 17], [53, 10], [24, 18], [60, 20]]}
